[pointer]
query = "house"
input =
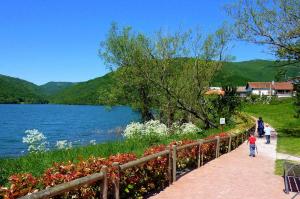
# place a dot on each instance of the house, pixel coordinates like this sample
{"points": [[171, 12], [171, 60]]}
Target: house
{"points": [[241, 91], [280, 89], [283, 89]]}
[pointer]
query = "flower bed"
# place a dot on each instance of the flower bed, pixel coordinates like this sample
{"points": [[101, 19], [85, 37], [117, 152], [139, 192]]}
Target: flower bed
{"points": [[135, 182]]}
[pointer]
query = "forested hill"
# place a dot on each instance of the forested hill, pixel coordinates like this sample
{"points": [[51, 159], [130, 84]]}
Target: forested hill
{"points": [[88, 92], [14, 90], [52, 88], [239, 73], [233, 73], [17, 91]]}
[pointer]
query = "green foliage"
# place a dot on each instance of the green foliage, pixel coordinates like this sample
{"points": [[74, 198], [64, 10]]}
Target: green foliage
{"points": [[15, 91], [148, 75], [52, 88], [227, 105], [86, 92], [239, 73], [297, 100], [269, 22]]}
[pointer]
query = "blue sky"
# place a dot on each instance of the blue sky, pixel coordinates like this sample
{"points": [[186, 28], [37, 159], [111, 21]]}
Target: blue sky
{"points": [[58, 40]]}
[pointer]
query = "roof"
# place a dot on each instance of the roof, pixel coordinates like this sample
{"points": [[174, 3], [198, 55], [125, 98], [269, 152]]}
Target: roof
{"points": [[283, 86], [268, 85], [241, 89]]}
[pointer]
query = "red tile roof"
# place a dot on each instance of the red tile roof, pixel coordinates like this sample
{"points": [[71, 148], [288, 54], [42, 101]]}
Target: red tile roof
{"points": [[283, 86], [275, 86]]}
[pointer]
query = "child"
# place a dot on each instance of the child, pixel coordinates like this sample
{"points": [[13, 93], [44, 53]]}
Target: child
{"points": [[252, 140], [268, 131]]}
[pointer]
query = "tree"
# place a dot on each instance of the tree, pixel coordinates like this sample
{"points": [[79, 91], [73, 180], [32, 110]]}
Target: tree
{"points": [[297, 101], [226, 105], [126, 50], [275, 23], [169, 72]]}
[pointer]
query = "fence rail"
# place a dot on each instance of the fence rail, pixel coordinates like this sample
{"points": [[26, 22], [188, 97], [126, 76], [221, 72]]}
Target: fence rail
{"points": [[69, 186]]}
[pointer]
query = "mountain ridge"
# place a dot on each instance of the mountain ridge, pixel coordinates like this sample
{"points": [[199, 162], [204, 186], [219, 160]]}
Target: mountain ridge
{"points": [[93, 91]]}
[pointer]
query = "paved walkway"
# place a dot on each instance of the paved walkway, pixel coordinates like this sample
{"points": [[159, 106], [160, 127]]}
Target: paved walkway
{"points": [[232, 176]]}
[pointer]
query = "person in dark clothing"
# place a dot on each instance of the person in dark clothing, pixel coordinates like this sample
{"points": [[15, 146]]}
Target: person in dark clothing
{"points": [[260, 127]]}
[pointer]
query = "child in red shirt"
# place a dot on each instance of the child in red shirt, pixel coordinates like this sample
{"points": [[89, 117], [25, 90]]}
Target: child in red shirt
{"points": [[252, 141]]}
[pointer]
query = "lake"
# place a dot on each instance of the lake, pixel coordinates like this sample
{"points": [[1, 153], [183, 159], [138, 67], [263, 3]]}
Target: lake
{"points": [[78, 124]]}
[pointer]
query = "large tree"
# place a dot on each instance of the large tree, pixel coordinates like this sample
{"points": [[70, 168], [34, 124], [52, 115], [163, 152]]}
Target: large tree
{"points": [[275, 23], [156, 73], [127, 51]]}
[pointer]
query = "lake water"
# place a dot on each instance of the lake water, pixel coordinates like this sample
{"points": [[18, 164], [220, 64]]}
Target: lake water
{"points": [[75, 123]]}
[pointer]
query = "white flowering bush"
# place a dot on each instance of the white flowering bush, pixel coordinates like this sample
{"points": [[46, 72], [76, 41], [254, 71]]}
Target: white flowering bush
{"points": [[189, 128], [35, 140], [93, 142], [63, 144], [155, 127], [133, 129], [152, 127]]}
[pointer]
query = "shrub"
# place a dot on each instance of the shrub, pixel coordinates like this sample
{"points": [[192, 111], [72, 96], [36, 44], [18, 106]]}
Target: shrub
{"points": [[189, 128], [35, 140]]}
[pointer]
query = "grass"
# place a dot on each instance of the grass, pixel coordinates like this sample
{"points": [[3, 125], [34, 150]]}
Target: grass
{"points": [[289, 145], [281, 117], [279, 167], [37, 163]]}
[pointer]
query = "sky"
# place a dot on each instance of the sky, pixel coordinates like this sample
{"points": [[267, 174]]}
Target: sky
{"points": [[58, 40]]}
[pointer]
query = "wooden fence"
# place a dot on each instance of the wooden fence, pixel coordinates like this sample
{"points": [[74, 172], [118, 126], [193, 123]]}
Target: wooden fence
{"points": [[69, 186], [231, 142]]}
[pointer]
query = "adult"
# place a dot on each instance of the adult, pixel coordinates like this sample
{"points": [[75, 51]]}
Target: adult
{"points": [[260, 127]]}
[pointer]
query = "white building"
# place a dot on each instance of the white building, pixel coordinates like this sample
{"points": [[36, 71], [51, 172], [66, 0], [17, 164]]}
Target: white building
{"points": [[280, 89]]}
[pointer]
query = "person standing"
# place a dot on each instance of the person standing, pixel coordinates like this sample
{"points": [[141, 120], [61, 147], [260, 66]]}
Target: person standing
{"points": [[268, 131], [252, 141], [260, 127]]}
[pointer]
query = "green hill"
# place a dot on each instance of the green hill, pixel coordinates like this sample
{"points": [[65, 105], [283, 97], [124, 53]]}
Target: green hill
{"points": [[239, 73], [14, 91], [84, 92], [52, 88], [233, 73]]}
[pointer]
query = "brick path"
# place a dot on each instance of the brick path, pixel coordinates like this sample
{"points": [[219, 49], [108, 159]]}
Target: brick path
{"points": [[232, 176]]}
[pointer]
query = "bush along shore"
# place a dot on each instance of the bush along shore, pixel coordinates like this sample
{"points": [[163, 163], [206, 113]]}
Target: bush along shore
{"points": [[135, 182]]}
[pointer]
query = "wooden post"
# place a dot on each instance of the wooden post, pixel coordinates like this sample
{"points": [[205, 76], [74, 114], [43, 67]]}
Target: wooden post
{"points": [[202, 158], [199, 153], [218, 146], [170, 166], [174, 157], [116, 181], [242, 138], [229, 144], [104, 183]]}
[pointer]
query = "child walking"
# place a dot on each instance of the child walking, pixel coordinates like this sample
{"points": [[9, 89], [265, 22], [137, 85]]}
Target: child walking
{"points": [[252, 141]]}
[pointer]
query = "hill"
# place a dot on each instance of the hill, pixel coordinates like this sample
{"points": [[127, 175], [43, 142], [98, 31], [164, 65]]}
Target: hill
{"points": [[233, 73], [84, 92], [52, 88], [239, 73], [15, 91]]}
